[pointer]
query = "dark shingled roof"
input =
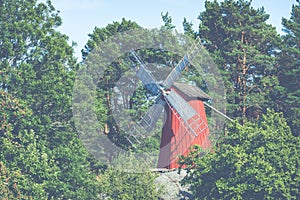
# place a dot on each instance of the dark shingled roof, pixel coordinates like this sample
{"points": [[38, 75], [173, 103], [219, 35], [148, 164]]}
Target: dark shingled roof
{"points": [[191, 91]]}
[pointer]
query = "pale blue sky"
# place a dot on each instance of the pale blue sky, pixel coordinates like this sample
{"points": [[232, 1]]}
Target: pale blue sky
{"points": [[80, 17]]}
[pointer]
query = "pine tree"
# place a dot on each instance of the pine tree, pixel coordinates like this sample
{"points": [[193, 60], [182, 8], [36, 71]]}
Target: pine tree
{"points": [[243, 45], [167, 19], [188, 28], [289, 70]]}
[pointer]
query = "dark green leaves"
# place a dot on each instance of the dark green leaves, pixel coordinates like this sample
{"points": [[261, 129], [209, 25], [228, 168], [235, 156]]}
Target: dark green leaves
{"points": [[256, 161]]}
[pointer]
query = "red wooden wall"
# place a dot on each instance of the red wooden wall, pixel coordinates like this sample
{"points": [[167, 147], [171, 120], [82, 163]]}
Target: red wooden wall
{"points": [[175, 139]]}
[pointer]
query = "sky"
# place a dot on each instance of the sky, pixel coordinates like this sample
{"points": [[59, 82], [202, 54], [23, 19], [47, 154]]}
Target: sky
{"points": [[80, 17]]}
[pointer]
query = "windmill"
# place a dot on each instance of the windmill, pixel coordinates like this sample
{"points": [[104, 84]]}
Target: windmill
{"points": [[186, 122]]}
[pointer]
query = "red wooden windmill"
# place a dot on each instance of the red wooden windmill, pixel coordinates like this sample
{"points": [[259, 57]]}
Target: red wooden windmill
{"points": [[186, 122]]}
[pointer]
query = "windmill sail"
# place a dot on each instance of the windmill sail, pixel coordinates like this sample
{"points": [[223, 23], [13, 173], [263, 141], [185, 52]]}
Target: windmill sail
{"points": [[190, 118], [149, 120], [175, 73], [147, 123], [144, 127], [146, 76], [180, 105], [135, 135]]}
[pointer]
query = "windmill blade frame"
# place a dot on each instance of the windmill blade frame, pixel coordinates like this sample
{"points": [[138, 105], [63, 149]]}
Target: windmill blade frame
{"points": [[149, 120], [145, 75], [185, 113], [187, 59], [144, 127]]}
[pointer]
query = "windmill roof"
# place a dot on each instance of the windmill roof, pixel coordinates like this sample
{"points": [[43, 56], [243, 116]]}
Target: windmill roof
{"points": [[191, 91]]}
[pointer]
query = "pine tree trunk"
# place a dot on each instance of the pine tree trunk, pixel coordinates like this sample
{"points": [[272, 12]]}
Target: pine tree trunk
{"points": [[243, 81]]}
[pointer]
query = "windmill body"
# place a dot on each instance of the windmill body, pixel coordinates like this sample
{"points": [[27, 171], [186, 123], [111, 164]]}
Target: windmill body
{"points": [[176, 136]]}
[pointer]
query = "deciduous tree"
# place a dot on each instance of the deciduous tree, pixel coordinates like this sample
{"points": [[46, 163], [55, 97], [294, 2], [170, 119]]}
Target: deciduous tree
{"points": [[255, 161], [37, 67]]}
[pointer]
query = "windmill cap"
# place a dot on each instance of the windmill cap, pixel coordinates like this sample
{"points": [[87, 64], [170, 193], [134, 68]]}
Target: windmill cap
{"points": [[191, 91]]}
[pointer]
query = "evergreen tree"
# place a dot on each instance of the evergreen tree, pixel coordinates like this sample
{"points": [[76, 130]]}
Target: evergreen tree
{"points": [[167, 19], [289, 70], [188, 28], [243, 45]]}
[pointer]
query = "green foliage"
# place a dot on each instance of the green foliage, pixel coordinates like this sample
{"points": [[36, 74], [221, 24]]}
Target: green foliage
{"points": [[255, 161], [102, 34], [188, 28], [167, 19], [9, 188], [36, 170], [289, 69], [128, 178], [113, 72], [38, 139], [23, 164], [123, 185], [243, 46]]}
